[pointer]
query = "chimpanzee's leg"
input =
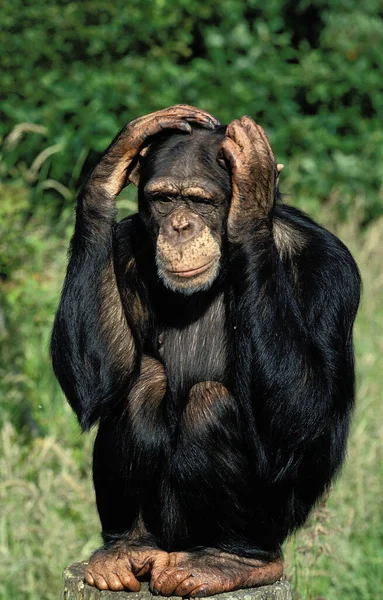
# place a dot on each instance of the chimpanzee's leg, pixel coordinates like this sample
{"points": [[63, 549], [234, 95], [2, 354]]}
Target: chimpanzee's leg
{"points": [[130, 550], [211, 449]]}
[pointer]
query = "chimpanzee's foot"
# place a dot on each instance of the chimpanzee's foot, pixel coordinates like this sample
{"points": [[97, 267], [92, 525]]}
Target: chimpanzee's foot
{"points": [[118, 567], [211, 573]]}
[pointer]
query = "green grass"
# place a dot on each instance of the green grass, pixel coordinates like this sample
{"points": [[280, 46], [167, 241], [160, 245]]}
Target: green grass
{"points": [[48, 517]]}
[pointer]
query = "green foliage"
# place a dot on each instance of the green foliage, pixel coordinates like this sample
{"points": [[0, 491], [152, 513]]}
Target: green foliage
{"points": [[309, 72], [30, 257]]}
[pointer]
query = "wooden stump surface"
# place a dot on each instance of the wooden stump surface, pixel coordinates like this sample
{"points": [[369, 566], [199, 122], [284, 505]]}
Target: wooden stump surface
{"points": [[74, 588]]}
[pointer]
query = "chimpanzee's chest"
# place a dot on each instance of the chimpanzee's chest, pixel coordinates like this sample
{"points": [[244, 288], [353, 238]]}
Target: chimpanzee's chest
{"points": [[198, 351]]}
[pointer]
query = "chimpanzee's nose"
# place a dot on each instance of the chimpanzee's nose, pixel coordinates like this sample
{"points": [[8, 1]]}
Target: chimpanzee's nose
{"points": [[181, 228], [181, 224]]}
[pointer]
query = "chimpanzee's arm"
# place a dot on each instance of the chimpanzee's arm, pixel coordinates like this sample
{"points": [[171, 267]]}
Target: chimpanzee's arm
{"points": [[93, 349], [296, 302]]}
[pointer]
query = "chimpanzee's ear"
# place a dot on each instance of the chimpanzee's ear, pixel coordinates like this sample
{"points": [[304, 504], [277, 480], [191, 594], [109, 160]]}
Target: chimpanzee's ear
{"points": [[134, 175], [221, 160]]}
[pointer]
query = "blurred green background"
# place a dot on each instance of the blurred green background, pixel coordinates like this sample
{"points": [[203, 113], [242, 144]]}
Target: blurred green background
{"points": [[72, 74]]}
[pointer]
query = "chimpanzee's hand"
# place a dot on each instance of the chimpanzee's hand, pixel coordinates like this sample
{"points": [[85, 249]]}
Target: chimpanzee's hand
{"points": [[254, 174], [116, 167]]}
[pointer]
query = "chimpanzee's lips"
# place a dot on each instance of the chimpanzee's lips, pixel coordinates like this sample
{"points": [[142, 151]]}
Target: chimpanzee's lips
{"points": [[192, 272]]}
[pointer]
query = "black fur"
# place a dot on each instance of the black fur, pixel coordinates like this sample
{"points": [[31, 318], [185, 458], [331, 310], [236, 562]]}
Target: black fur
{"points": [[275, 329]]}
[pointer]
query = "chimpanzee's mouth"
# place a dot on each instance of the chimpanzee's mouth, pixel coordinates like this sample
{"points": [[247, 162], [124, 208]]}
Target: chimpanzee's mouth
{"points": [[192, 272]]}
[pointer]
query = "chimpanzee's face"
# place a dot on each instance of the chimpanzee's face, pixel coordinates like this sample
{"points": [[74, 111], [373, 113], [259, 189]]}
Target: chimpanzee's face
{"points": [[185, 195]]}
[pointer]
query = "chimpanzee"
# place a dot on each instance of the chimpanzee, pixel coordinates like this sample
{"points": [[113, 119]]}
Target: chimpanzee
{"points": [[210, 337]]}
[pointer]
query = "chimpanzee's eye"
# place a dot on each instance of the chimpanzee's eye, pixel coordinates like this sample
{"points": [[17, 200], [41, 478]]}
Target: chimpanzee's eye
{"points": [[163, 199], [202, 204]]}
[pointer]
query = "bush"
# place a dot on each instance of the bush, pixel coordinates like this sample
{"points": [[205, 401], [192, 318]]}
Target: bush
{"points": [[309, 72]]}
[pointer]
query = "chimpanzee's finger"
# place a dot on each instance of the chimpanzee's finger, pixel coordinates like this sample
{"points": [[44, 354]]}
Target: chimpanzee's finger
{"points": [[230, 152], [169, 579], [203, 121], [182, 110], [168, 123], [140, 137], [238, 133], [179, 111], [128, 580], [258, 136], [192, 585], [158, 564], [98, 581], [114, 582], [204, 590], [137, 138], [89, 577]]}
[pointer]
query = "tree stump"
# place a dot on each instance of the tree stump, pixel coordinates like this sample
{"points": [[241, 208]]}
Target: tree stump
{"points": [[74, 588]]}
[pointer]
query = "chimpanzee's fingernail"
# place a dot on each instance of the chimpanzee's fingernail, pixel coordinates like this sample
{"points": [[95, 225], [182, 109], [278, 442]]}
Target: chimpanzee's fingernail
{"points": [[222, 162], [155, 592], [186, 127], [201, 593]]}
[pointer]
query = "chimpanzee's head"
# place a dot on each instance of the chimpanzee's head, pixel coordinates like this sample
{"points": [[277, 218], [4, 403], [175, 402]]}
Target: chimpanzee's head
{"points": [[184, 198]]}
